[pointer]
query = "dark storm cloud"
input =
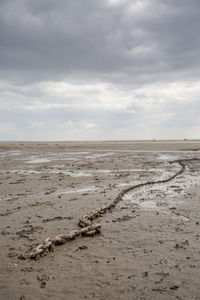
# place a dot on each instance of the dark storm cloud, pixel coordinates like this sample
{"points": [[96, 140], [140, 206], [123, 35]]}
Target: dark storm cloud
{"points": [[128, 41]]}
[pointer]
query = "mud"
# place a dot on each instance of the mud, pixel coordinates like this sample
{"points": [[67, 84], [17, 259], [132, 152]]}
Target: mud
{"points": [[149, 242]]}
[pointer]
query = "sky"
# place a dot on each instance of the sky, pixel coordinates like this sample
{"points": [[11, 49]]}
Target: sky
{"points": [[99, 70]]}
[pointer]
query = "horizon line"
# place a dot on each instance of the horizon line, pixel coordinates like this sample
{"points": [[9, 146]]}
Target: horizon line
{"points": [[95, 141]]}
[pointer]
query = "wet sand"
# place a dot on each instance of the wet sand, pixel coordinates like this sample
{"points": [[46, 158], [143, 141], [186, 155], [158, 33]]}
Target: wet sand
{"points": [[149, 244]]}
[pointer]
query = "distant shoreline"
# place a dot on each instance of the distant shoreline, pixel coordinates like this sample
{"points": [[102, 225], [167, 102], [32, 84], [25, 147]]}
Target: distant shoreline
{"points": [[109, 141], [104, 145]]}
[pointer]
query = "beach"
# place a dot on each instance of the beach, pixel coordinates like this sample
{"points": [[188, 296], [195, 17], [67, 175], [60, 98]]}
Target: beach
{"points": [[148, 247]]}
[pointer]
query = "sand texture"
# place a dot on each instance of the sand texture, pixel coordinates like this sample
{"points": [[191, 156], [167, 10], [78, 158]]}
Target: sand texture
{"points": [[148, 247]]}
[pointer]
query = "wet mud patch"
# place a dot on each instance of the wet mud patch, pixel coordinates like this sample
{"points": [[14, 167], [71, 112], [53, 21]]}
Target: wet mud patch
{"points": [[131, 256]]}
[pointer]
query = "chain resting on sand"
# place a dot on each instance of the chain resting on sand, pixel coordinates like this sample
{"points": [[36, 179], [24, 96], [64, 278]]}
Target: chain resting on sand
{"points": [[86, 225]]}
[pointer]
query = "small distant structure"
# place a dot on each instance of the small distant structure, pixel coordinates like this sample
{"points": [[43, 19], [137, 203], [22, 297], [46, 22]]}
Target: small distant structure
{"points": [[185, 140]]}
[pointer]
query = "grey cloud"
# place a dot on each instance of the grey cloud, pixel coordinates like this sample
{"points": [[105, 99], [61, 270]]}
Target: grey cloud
{"points": [[125, 47], [94, 40]]}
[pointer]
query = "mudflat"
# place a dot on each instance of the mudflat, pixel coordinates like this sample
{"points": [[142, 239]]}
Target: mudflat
{"points": [[148, 247]]}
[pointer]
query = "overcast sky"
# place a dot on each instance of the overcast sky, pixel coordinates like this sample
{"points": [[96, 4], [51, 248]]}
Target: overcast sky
{"points": [[99, 70]]}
